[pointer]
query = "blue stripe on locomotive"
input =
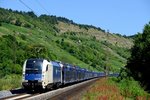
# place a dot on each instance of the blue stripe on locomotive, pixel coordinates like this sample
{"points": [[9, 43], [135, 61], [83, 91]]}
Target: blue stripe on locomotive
{"points": [[33, 77], [56, 72]]}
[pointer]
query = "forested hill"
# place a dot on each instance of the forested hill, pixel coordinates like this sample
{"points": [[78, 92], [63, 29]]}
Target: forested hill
{"points": [[24, 35]]}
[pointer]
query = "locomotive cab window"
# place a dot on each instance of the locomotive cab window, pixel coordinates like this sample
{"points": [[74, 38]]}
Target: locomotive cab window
{"points": [[34, 66], [47, 68]]}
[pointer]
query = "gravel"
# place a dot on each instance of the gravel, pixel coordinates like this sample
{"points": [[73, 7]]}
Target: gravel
{"points": [[5, 93]]}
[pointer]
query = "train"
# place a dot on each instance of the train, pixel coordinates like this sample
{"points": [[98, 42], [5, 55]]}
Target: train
{"points": [[43, 74]]}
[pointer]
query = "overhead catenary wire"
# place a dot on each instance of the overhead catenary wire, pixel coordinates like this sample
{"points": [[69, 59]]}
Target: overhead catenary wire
{"points": [[43, 7], [27, 6]]}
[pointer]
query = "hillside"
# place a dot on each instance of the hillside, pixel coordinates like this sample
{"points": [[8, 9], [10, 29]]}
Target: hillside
{"points": [[100, 35], [24, 35]]}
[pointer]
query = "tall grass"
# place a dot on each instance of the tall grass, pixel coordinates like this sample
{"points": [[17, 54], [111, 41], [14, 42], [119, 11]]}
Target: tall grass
{"points": [[10, 82], [130, 88], [103, 89], [112, 89]]}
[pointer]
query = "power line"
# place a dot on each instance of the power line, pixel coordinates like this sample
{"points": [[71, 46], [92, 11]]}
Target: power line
{"points": [[43, 7], [25, 5], [28, 7]]}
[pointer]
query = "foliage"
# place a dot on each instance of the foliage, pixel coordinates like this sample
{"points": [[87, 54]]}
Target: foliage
{"points": [[139, 61], [123, 52], [31, 13], [128, 87], [10, 82], [131, 88], [13, 54], [91, 51], [63, 19], [7, 62], [49, 19]]}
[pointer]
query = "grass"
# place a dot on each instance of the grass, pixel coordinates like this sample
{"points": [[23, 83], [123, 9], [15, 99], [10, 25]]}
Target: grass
{"points": [[10, 82], [4, 30], [130, 88], [103, 89], [110, 89]]}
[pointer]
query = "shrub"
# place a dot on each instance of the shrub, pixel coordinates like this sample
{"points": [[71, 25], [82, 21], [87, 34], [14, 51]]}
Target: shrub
{"points": [[27, 25], [10, 82], [128, 86], [18, 22], [23, 37], [131, 88]]}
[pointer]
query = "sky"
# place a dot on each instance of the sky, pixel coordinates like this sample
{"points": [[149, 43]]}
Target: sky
{"points": [[126, 17]]}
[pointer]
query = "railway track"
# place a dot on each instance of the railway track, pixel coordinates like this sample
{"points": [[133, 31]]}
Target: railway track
{"points": [[73, 94], [58, 94], [20, 96], [64, 93]]}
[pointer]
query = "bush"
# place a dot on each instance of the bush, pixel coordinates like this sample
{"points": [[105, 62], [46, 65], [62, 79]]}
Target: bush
{"points": [[131, 88], [18, 22], [10, 82], [23, 37], [128, 86], [27, 25]]}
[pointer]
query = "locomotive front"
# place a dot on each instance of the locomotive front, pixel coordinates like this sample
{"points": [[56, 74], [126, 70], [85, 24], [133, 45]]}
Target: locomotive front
{"points": [[32, 73]]}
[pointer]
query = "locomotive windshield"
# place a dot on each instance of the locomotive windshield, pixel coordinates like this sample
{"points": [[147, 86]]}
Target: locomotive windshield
{"points": [[34, 66]]}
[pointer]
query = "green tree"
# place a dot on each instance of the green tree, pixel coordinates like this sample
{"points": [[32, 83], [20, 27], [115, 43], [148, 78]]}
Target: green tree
{"points": [[31, 13], [18, 22], [139, 62]]}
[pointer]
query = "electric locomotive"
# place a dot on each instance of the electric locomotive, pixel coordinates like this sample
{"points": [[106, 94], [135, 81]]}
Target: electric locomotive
{"points": [[39, 73]]}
